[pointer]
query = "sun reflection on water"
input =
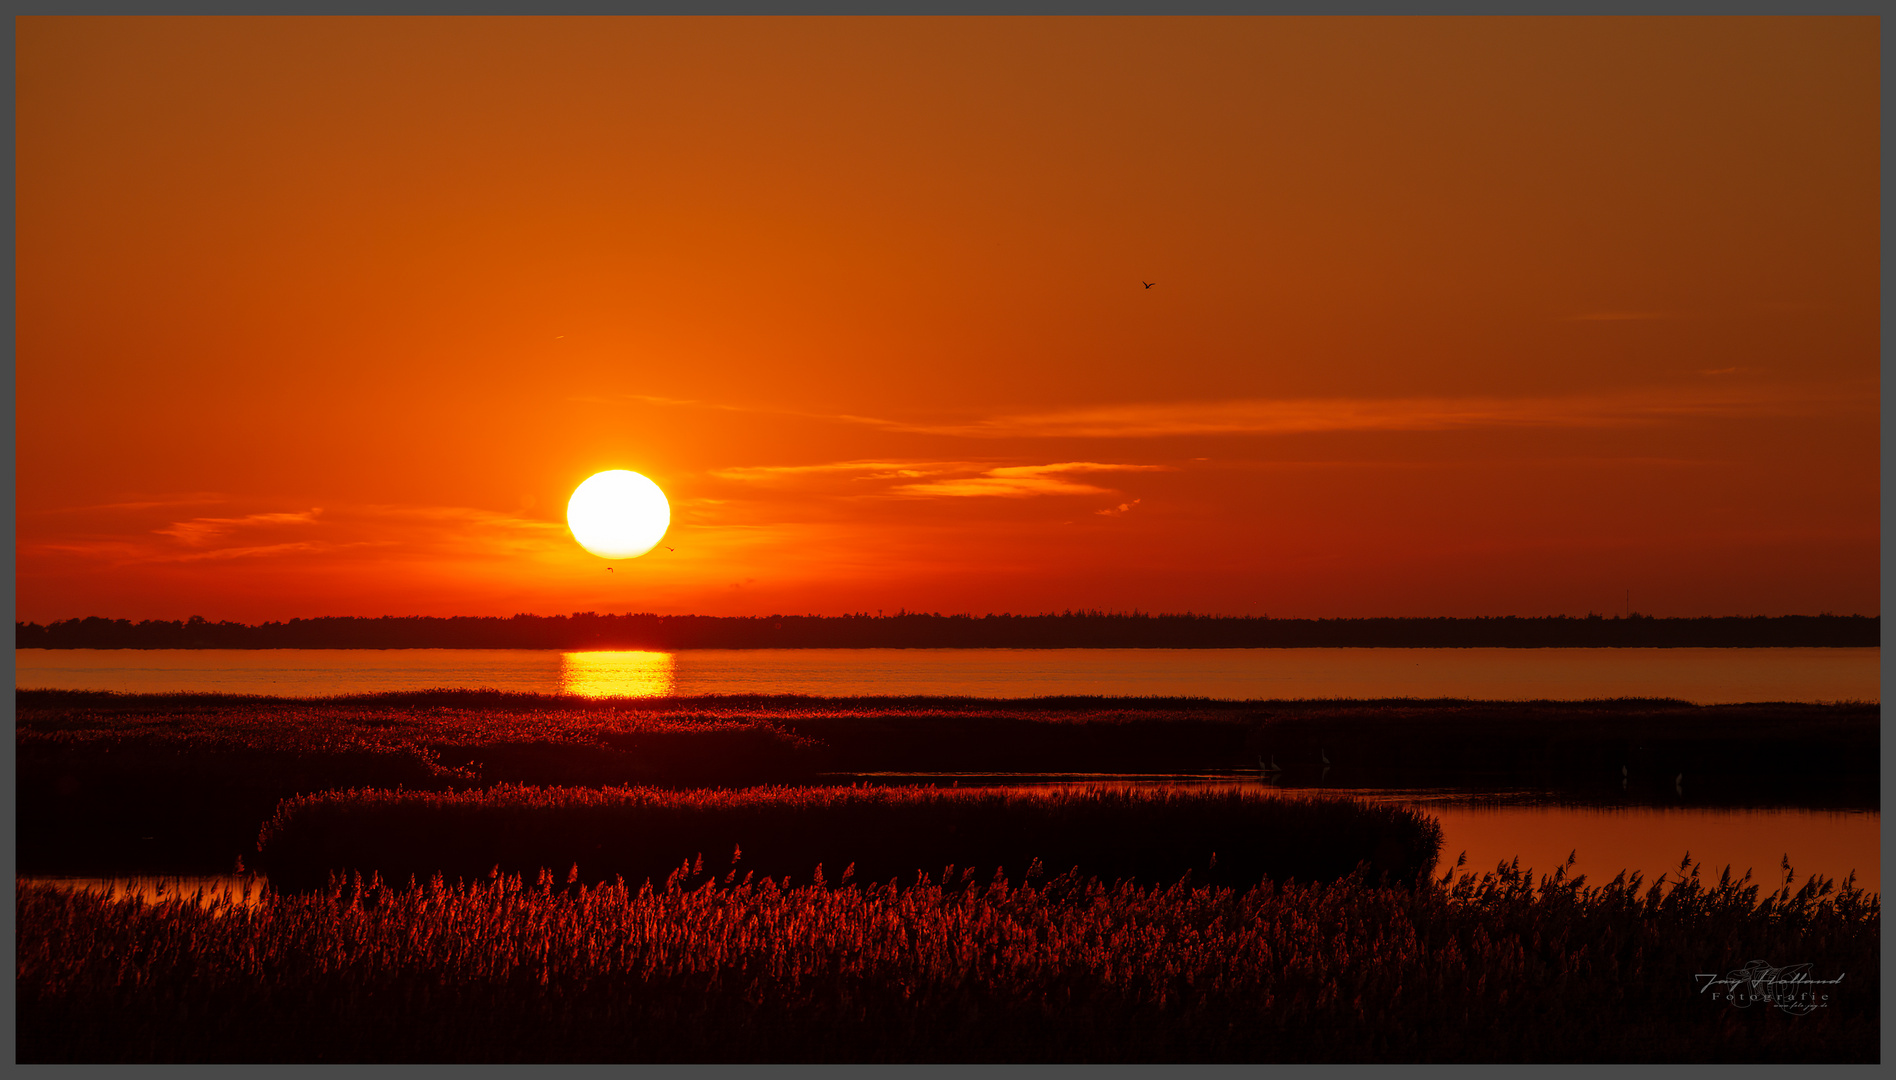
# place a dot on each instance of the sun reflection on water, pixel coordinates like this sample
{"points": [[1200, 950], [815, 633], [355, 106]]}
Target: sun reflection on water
{"points": [[616, 673]]}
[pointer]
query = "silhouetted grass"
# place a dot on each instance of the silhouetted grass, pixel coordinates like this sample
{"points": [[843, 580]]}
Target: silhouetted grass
{"points": [[462, 729], [179, 782], [1499, 968], [883, 832], [98, 772]]}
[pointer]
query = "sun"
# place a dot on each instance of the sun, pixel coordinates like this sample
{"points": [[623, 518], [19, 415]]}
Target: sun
{"points": [[618, 514]]}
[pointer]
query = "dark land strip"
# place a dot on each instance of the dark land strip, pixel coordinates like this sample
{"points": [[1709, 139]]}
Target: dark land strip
{"points": [[115, 783], [1068, 630], [866, 834]]}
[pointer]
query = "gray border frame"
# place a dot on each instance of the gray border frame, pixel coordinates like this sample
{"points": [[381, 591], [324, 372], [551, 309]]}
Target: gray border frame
{"points": [[869, 7]]}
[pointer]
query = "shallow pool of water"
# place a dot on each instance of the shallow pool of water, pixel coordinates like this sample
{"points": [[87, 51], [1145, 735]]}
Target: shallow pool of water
{"points": [[1541, 829]]}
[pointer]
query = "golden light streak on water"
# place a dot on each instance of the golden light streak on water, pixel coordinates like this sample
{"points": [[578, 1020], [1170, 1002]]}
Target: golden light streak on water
{"points": [[619, 673]]}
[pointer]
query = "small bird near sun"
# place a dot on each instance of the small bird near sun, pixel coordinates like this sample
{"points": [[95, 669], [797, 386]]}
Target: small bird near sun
{"points": [[618, 514]]}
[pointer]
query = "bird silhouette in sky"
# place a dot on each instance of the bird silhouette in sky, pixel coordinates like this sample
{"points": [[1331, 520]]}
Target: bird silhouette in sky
{"points": [[1148, 284], [608, 569], [671, 549]]}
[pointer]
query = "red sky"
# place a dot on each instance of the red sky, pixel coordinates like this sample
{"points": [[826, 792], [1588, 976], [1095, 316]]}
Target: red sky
{"points": [[1450, 316]]}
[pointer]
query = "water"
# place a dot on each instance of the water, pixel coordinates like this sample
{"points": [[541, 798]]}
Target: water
{"points": [[1653, 841], [1543, 830], [1703, 676]]}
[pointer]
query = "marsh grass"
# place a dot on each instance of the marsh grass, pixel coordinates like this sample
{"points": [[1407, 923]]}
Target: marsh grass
{"points": [[1499, 967], [112, 783], [177, 782], [480, 735], [1151, 835]]}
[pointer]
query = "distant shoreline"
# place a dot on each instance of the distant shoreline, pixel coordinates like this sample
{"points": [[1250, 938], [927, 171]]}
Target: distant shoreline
{"points": [[1072, 630]]}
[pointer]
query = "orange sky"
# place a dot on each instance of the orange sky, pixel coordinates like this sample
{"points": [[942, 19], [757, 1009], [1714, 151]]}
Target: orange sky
{"points": [[1451, 317]]}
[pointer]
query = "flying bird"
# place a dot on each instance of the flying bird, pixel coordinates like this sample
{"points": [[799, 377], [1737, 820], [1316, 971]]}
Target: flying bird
{"points": [[1147, 284], [608, 569], [671, 549]]}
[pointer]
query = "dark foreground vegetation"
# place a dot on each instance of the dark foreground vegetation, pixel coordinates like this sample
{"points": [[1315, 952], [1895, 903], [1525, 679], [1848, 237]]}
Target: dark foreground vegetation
{"points": [[114, 782], [868, 833], [180, 782], [1501, 968], [907, 630]]}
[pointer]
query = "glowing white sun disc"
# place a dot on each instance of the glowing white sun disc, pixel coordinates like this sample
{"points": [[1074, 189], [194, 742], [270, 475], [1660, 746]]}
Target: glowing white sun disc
{"points": [[618, 514]]}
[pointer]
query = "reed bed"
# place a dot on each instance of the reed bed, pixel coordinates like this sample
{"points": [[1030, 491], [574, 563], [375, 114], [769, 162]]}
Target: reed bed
{"points": [[1499, 968], [431, 741], [489, 736], [112, 782], [178, 782], [1152, 835]]}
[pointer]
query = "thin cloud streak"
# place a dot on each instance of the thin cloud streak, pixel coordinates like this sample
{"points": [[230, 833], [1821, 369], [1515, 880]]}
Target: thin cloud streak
{"points": [[261, 550], [199, 531], [432, 531], [867, 470], [1314, 415], [931, 479], [1024, 481], [1292, 416], [153, 503]]}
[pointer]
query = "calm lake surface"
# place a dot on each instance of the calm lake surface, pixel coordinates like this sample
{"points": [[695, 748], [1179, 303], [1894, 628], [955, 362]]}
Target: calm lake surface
{"points": [[1703, 676]]}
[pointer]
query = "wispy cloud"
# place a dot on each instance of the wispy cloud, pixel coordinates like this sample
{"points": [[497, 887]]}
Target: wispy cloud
{"points": [[156, 502], [945, 479], [1288, 416], [460, 531], [200, 531], [1023, 481], [426, 532], [256, 551], [861, 470]]}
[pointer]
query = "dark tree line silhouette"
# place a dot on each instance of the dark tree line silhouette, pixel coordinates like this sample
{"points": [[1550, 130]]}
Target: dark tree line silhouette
{"points": [[915, 630]]}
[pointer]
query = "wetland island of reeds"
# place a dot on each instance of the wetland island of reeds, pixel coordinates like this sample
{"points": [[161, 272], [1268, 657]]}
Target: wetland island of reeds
{"points": [[466, 876]]}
